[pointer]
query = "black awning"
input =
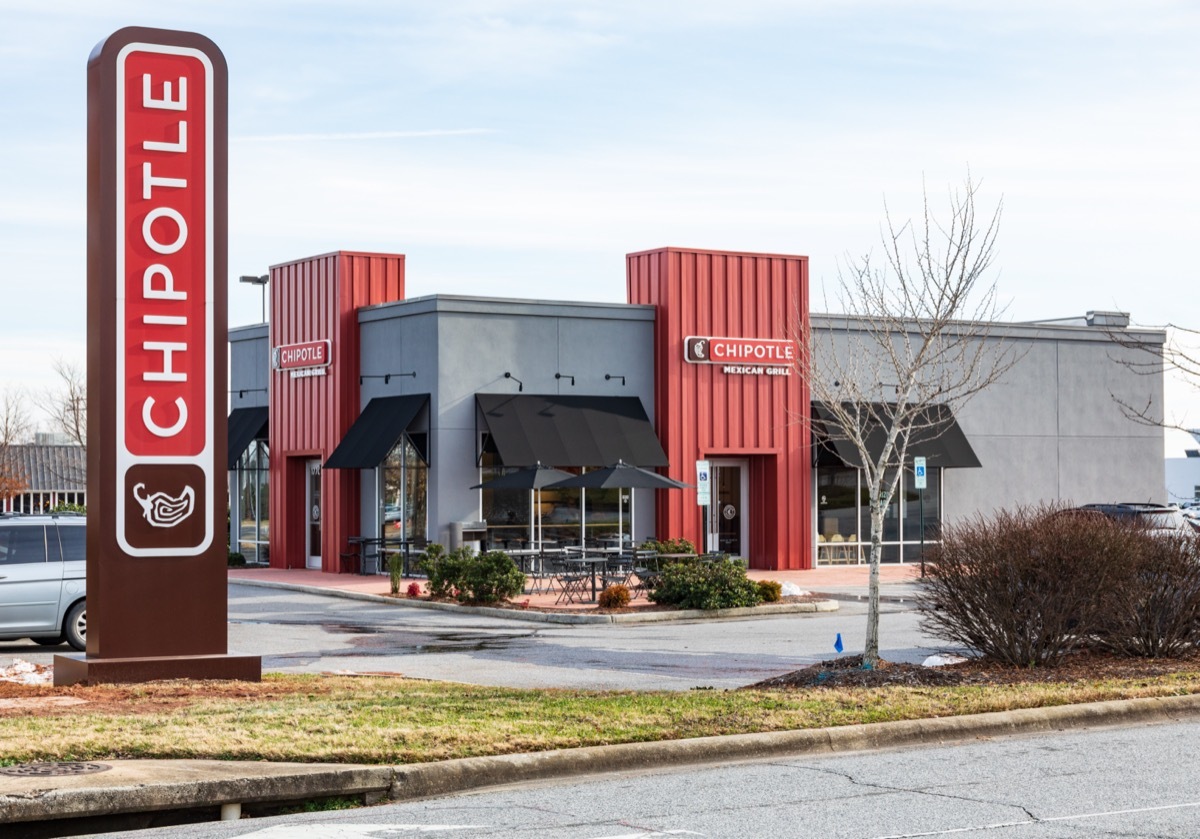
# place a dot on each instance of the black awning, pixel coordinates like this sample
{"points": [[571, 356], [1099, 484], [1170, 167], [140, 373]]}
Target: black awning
{"points": [[938, 438], [570, 430], [245, 424], [376, 431]]}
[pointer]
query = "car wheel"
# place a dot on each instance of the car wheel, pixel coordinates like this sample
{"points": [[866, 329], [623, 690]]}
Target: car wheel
{"points": [[49, 640], [75, 626]]}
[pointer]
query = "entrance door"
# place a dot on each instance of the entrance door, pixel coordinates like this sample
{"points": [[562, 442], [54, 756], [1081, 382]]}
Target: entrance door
{"points": [[313, 505], [728, 518]]}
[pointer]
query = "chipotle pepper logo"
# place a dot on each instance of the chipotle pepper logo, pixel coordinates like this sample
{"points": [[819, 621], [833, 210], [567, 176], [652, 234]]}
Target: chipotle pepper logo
{"points": [[161, 509], [165, 327]]}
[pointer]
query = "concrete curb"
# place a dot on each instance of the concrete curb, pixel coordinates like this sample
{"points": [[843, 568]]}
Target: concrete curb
{"points": [[142, 786], [764, 611], [433, 779]]}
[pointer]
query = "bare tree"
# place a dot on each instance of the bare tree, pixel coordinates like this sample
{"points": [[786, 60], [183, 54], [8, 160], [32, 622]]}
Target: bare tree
{"points": [[66, 405], [1179, 354], [916, 343], [14, 430]]}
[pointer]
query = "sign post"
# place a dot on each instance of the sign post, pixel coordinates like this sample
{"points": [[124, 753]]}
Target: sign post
{"points": [[157, 346], [919, 483], [704, 496]]}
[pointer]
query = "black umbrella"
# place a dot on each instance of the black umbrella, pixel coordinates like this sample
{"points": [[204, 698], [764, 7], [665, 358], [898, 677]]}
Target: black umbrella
{"points": [[531, 478], [621, 475]]}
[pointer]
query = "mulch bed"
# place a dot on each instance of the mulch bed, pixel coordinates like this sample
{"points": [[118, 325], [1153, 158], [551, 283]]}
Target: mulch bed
{"points": [[638, 606], [1079, 667]]}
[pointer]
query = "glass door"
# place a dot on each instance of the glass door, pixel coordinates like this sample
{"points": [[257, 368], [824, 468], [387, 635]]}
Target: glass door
{"points": [[313, 505], [728, 514]]}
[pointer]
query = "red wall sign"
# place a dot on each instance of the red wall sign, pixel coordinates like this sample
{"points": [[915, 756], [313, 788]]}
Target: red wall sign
{"points": [[757, 351], [301, 356], [164, 319]]}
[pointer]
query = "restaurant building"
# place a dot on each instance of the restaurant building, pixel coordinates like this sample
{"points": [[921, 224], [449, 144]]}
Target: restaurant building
{"points": [[358, 413]]}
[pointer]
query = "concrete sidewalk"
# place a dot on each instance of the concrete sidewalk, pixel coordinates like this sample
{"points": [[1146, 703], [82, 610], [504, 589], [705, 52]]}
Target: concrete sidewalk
{"points": [[211, 789], [898, 583]]}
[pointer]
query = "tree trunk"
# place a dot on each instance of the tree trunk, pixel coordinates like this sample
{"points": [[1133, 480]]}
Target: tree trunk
{"points": [[871, 648]]}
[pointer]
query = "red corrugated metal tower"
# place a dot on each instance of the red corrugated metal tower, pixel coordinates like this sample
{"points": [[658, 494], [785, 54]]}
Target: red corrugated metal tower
{"points": [[317, 299], [702, 412]]}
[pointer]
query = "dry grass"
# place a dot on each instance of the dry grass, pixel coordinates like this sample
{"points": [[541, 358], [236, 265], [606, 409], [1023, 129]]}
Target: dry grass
{"points": [[394, 720]]}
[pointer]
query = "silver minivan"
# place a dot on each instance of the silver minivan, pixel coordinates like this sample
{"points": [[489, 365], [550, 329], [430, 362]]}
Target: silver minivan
{"points": [[43, 579]]}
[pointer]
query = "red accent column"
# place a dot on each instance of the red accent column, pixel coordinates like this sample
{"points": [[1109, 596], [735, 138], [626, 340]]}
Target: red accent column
{"points": [[311, 300], [701, 412]]}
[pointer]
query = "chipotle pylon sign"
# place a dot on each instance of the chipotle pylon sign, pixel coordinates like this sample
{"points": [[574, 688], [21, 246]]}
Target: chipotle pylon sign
{"points": [[157, 381], [166, 283]]}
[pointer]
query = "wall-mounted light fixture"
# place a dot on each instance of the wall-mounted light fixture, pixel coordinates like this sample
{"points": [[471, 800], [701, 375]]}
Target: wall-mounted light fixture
{"points": [[608, 377], [243, 391], [520, 384], [565, 376], [252, 279], [387, 377]]}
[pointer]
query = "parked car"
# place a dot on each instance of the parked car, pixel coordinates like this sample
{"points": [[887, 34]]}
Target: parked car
{"points": [[1159, 519], [43, 579]]}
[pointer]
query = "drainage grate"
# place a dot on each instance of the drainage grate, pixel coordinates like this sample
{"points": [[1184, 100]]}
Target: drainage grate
{"points": [[42, 770]]}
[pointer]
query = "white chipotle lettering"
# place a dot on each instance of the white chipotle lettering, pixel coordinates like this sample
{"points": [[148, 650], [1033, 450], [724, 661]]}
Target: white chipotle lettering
{"points": [[158, 280]]}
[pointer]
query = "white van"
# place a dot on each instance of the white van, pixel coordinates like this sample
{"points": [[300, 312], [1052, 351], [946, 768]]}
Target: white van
{"points": [[43, 579]]}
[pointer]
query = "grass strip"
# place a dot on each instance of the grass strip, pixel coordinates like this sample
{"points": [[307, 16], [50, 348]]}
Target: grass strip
{"points": [[389, 720]]}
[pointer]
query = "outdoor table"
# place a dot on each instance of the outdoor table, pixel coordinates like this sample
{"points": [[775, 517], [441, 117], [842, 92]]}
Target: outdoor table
{"points": [[361, 545], [526, 558], [392, 546], [590, 562]]}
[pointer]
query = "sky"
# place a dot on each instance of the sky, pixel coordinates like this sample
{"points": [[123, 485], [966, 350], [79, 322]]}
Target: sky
{"points": [[520, 148]]}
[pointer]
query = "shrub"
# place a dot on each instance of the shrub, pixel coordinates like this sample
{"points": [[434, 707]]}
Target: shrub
{"points": [[490, 577], [414, 589], [236, 559], [467, 577], [445, 570], [669, 546], [395, 570], [1022, 587], [708, 585], [1153, 608], [615, 596], [770, 591]]}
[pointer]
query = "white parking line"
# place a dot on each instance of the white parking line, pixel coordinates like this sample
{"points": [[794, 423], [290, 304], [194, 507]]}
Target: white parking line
{"points": [[1076, 817], [351, 831]]}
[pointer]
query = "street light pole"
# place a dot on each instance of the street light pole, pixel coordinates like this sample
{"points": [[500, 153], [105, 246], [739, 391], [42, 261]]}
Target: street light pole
{"points": [[261, 281]]}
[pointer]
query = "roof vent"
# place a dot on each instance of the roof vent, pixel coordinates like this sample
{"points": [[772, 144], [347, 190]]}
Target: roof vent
{"points": [[1117, 319]]}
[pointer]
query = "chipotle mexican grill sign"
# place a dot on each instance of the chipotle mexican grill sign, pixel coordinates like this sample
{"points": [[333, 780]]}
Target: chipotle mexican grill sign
{"points": [[742, 356], [306, 359], [167, 336]]}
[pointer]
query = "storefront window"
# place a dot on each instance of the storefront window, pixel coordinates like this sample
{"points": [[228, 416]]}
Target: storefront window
{"points": [[253, 527], [404, 475], [844, 517], [837, 516], [564, 516]]}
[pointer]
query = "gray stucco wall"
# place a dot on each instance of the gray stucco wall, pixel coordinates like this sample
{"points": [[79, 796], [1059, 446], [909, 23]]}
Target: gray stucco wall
{"points": [[461, 346], [1052, 428], [249, 374]]}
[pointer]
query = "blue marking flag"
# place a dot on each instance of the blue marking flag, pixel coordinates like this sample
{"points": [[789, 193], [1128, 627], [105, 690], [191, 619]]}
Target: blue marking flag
{"points": [[837, 644]]}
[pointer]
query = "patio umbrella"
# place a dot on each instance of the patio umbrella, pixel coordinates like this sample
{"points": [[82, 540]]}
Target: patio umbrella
{"points": [[531, 478], [621, 475]]}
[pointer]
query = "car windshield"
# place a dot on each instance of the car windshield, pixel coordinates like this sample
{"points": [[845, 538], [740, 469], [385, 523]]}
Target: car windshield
{"points": [[1166, 520]]}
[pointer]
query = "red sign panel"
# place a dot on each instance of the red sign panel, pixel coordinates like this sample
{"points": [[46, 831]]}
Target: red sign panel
{"points": [[165, 326], [301, 356], [756, 351]]}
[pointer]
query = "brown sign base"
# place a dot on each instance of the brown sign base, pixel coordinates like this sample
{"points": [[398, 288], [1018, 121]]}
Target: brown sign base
{"points": [[79, 669]]}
